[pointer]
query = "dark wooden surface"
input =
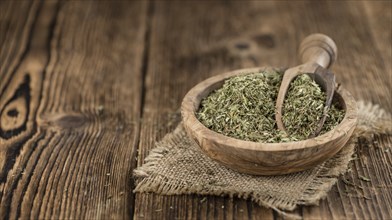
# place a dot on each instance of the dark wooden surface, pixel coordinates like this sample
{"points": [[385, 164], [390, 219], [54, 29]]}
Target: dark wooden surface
{"points": [[86, 88]]}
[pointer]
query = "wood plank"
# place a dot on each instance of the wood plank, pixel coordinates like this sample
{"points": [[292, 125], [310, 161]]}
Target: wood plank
{"points": [[355, 197], [10, 53], [69, 107], [379, 18], [185, 51], [14, 28], [366, 75]]}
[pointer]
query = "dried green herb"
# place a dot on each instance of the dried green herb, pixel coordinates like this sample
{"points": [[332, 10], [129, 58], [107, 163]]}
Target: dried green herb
{"points": [[303, 108], [244, 108]]}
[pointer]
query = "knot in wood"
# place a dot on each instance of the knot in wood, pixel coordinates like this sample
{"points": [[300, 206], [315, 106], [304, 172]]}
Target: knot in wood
{"points": [[243, 48], [265, 40]]}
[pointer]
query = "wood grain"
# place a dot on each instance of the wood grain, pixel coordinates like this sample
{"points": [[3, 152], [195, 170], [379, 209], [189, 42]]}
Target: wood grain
{"points": [[379, 18], [84, 85], [69, 106]]}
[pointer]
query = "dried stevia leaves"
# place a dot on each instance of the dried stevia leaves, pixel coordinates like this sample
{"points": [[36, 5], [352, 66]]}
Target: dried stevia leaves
{"points": [[304, 106], [244, 108]]}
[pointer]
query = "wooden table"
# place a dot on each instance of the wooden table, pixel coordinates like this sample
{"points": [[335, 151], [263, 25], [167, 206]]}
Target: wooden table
{"points": [[86, 88]]}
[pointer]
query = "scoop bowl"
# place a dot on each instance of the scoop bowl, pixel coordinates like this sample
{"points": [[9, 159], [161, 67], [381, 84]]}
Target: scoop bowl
{"points": [[264, 158]]}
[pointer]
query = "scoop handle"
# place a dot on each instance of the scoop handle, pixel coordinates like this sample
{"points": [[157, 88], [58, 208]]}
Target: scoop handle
{"points": [[318, 48]]}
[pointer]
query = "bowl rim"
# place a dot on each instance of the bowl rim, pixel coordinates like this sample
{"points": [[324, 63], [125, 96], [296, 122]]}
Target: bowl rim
{"points": [[190, 122]]}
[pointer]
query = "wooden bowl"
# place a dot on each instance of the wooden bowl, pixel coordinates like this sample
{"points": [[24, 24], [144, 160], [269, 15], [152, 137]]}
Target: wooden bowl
{"points": [[264, 158]]}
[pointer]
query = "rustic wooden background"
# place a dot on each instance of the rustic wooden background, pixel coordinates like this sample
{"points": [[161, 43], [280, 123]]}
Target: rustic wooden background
{"points": [[86, 88]]}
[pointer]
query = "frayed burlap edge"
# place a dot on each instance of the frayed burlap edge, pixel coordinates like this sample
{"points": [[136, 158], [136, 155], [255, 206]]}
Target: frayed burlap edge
{"points": [[317, 189], [372, 120]]}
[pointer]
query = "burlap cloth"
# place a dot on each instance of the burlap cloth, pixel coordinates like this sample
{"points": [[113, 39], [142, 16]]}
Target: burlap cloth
{"points": [[177, 166]]}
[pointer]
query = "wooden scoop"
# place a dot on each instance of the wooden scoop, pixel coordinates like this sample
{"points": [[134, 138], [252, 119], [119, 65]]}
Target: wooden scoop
{"points": [[317, 52]]}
